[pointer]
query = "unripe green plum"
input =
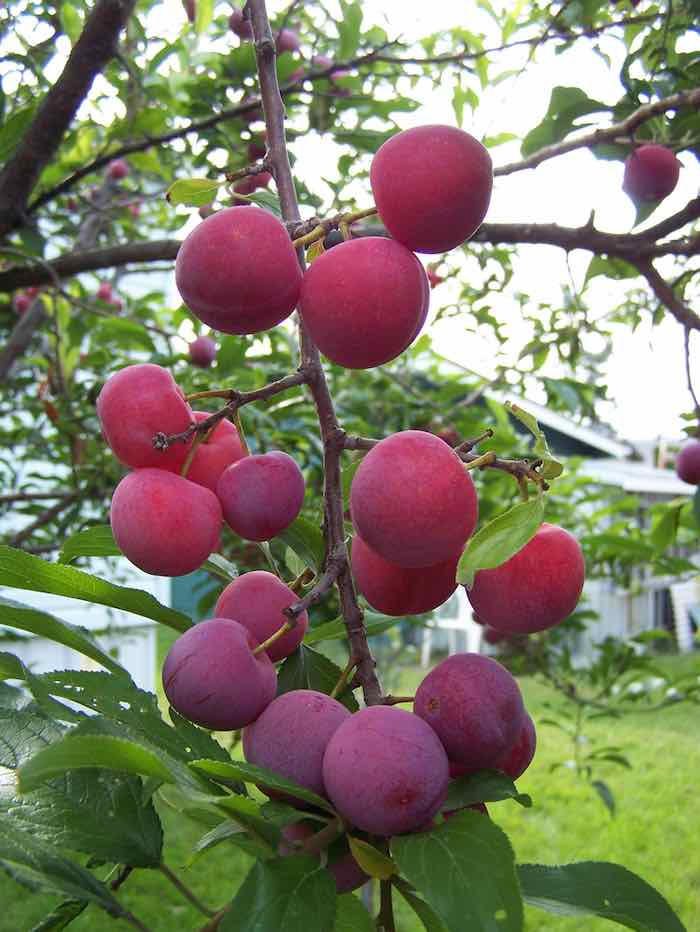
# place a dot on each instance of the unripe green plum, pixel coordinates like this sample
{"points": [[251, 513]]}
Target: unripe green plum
{"points": [[136, 403], [164, 524], [212, 677], [475, 707], [237, 271], [412, 501], [397, 590], [257, 600], [385, 771], [290, 737], [261, 495], [536, 588], [364, 301], [432, 186]]}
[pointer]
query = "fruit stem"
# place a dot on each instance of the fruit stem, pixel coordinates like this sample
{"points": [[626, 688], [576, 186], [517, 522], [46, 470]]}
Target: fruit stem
{"points": [[303, 579], [486, 459], [185, 891], [343, 678], [214, 393], [317, 843], [198, 438], [342, 221], [466, 446], [385, 919], [287, 626], [236, 418], [395, 700]]}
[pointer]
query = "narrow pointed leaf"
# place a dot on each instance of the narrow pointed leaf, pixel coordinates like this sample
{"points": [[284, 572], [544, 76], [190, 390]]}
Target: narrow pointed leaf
{"points": [[240, 770], [500, 539]]}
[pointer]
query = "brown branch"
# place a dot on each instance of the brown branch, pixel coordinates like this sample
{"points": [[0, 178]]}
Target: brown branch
{"points": [[28, 496], [95, 47], [332, 435], [185, 891], [625, 128], [688, 376], [334, 564], [45, 517], [667, 296]]}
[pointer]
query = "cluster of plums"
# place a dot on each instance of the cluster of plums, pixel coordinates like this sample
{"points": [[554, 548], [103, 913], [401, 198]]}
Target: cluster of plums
{"points": [[384, 769], [168, 524], [365, 300]]}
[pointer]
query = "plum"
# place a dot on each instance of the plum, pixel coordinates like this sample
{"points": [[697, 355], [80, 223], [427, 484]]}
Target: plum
{"points": [[257, 600], [261, 495], [347, 872], [688, 463], [651, 173], [215, 454], [240, 25], [117, 169], [385, 770], [202, 351], [212, 677]]}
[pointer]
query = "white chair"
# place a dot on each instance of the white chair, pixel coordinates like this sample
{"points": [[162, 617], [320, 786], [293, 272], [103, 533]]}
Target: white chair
{"points": [[454, 616]]}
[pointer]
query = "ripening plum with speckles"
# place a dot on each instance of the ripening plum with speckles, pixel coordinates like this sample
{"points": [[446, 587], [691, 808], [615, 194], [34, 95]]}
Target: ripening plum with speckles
{"points": [[257, 600], [165, 524], [412, 500], [475, 707], [134, 404], [385, 771], [291, 736], [536, 588], [212, 677], [432, 186], [364, 301], [237, 271]]}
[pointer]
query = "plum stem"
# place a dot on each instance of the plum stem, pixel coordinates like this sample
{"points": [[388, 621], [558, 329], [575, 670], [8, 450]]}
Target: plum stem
{"points": [[385, 918], [486, 459], [466, 446], [321, 228], [343, 678], [303, 579], [185, 891], [287, 626], [337, 567], [395, 700]]}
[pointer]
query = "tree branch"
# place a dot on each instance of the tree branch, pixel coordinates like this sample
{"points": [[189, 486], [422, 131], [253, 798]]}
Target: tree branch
{"points": [[93, 50], [667, 296], [45, 517], [332, 435]]}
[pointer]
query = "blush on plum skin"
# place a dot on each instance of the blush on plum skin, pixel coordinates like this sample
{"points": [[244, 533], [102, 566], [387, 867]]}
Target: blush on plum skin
{"points": [[257, 600], [475, 707], [395, 590], [412, 501], [237, 271], [261, 495], [212, 677], [165, 524], [364, 301], [449, 176], [291, 735], [536, 589], [134, 404], [385, 771]]}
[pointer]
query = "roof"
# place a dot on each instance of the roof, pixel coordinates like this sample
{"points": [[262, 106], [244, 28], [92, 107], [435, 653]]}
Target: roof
{"points": [[636, 477]]}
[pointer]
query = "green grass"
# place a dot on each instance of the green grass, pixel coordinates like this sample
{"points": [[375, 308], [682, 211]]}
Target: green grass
{"points": [[653, 834]]}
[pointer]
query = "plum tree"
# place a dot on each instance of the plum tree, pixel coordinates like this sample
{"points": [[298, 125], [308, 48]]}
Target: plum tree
{"points": [[291, 735], [398, 590], [364, 301], [449, 175], [651, 173], [212, 677], [347, 872], [215, 453], [249, 282], [385, 771], [412, 501], [257, 600], [536, 588], [134, 404], [164, 524], [688, 463], [261, 495], [202, 351], [475, 707]]}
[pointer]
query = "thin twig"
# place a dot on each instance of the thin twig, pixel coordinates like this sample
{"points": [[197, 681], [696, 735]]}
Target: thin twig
{"points": [[686, 347], [185, 891]]}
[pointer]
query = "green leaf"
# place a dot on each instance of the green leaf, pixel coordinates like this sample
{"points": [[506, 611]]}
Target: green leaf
{"points": [[71, 21], [371, 860], [128, 334], [306, 541], [696, 505], [24, 571], [294, 894], [430, 920], [465, 870], [500, 539], [38, 864], [349, 26], [261, 777], [550, 467], [26, 618], [193, 192], [334, 630], [665, 528], [221, 567], [566, 105], [60, 917], [307, 669], [598, 888], [610, 267], [485, 786], [92, 542], [11, 667], [268, 201], [351, 915], [644, 210], [203, 16], [76, 752], [228, 830], [13, 130], [605, 793]]}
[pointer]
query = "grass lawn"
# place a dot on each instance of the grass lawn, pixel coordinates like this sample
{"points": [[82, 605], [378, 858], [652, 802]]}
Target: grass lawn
{"points": [[653, 834]]}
